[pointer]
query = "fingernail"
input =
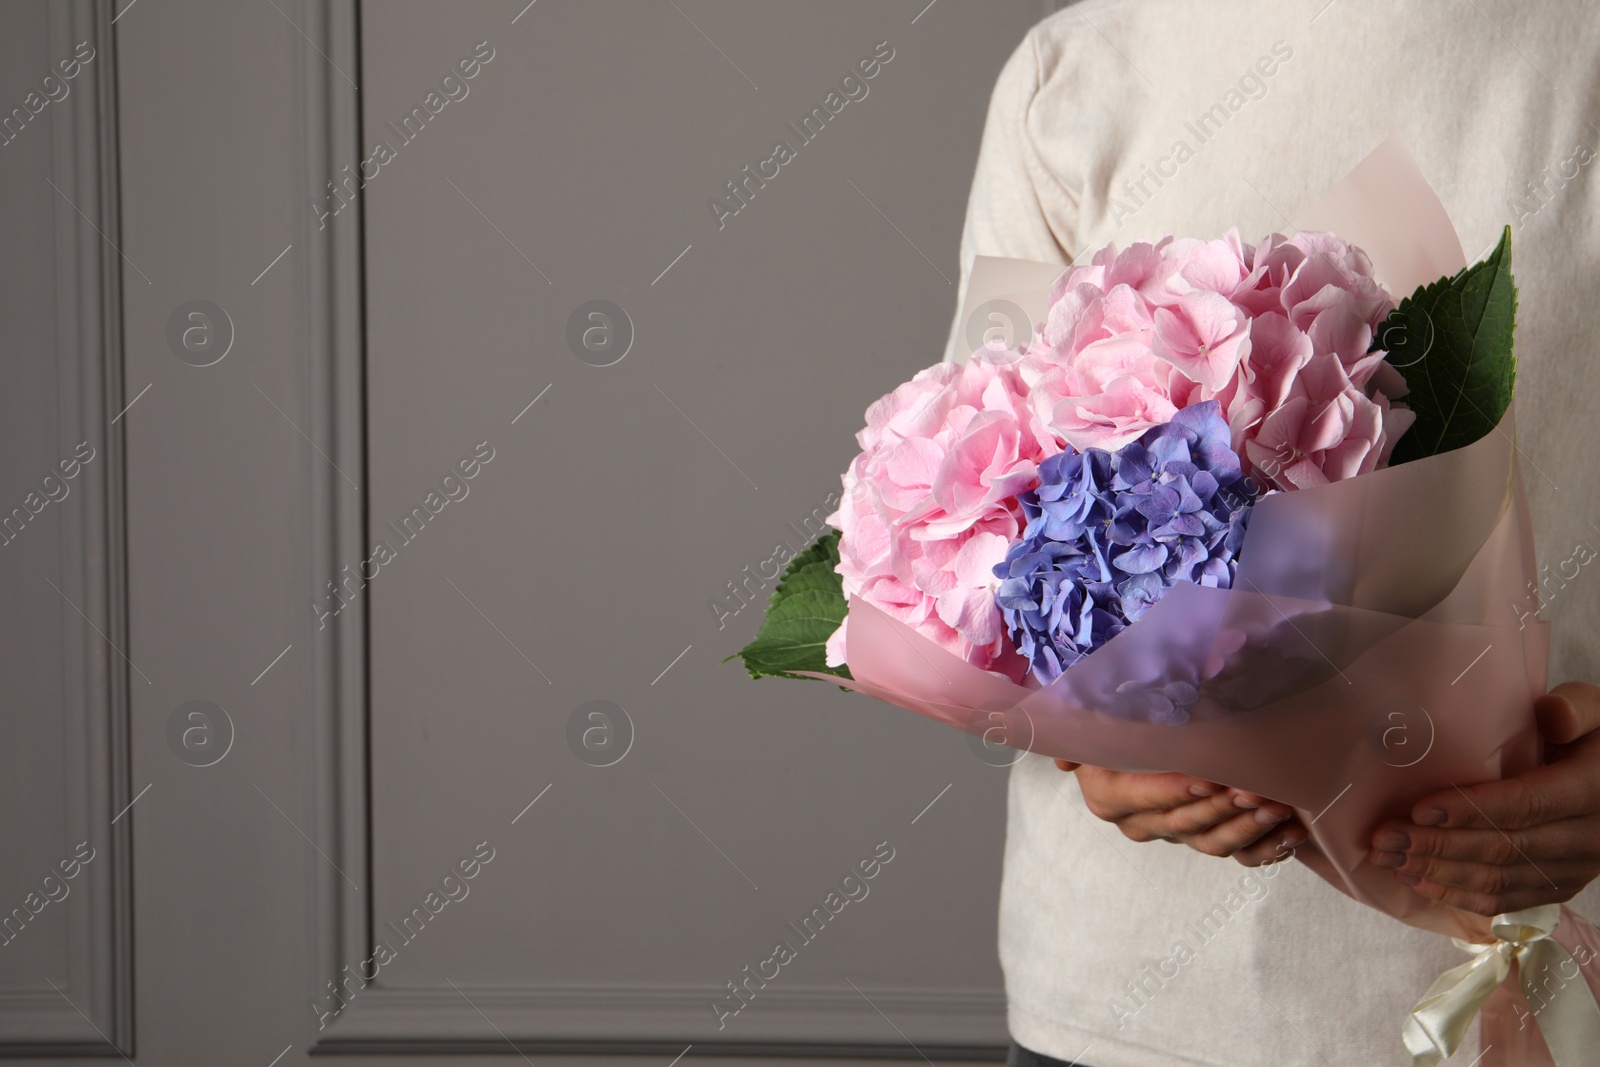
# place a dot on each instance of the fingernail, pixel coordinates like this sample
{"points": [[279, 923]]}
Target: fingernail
{"points": [[1408, 879], [1389, 859], [1246, 803], [1202, 790], [1268, 817], [1431, 817], [1391, 841]]}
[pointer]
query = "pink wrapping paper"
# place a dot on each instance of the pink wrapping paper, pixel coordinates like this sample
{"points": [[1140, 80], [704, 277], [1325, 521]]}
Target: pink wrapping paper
{"points": [[1369, 653], [1344, 706]]}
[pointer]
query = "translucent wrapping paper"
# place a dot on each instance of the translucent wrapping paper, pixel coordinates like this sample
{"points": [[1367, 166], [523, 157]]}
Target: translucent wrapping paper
{"points": [[1371, 651]]}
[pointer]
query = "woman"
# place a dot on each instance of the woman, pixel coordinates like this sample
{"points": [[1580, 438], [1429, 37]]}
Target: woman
{"points": [[1129, 119]]}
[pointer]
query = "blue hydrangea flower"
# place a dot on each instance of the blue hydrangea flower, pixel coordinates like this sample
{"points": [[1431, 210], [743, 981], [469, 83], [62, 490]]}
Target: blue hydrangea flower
{"points": [[1108, 533]]}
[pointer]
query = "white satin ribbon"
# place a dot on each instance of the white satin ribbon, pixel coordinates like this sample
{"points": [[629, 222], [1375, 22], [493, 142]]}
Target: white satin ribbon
{"points": [[1569, 1019]]}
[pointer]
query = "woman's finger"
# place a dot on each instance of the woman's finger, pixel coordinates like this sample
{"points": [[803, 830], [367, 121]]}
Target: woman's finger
{"points": [[1569, 711], [1486, 878], [1278, 844], [1239, 832], [1181, 822], [1112, 795], [1491, 903], [1566, 839], [1201, 817]]}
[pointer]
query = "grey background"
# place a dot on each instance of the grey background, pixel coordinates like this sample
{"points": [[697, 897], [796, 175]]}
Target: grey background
{"points": [[373, 749]]}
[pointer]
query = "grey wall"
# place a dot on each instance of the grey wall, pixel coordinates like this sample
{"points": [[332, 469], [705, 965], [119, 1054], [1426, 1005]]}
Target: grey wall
{"points": [[337, 765]]}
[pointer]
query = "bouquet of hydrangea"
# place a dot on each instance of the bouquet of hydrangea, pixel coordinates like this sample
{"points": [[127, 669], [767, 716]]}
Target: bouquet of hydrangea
{"points": [[1190, 522], [1033, 502]]}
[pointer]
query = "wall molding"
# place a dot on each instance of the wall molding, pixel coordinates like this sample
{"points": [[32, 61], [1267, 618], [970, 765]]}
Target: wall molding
{"points": [[83, 165], [791, 1022], [330, 308], [381, 1020]]}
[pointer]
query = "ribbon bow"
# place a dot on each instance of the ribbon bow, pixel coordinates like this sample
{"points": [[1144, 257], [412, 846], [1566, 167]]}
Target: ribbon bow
{"points": [[1569, 1020]]}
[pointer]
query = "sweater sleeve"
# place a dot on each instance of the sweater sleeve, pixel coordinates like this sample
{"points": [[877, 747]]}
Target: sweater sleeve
{"points": [[1016, 208]]}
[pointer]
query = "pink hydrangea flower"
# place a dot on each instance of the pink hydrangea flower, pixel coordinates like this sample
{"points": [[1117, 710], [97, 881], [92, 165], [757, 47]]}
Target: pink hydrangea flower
{"points": [[1277, 333], [929, 506]]}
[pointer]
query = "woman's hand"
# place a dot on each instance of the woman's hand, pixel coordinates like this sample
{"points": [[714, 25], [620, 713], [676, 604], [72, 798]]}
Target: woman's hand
{"points": [[1517, 843], [1208, 817]]}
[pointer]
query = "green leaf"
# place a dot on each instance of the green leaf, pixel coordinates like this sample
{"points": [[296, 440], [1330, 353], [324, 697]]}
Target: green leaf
{"points": [[803, 612], [1452, 340]]}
